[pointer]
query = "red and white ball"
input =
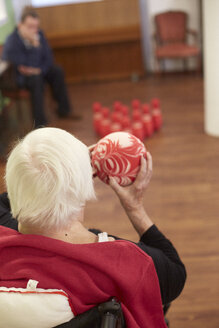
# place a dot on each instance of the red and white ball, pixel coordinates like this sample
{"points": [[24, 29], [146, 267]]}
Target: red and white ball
{"points": [[118, 155]]}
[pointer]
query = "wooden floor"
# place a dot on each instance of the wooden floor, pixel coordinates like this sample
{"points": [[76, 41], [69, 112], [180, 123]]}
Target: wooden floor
{"points": [[183, 198]]}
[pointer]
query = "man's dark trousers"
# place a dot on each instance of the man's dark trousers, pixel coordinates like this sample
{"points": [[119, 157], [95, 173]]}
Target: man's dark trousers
{"points": [[35, 84]]}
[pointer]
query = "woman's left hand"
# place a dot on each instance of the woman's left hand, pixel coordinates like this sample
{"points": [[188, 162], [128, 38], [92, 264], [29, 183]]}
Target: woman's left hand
{"points": [[91, 148]]}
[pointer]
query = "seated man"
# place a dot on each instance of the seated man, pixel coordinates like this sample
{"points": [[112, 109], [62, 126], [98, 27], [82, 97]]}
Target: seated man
{"points": [[49, 180], [28, 50]]}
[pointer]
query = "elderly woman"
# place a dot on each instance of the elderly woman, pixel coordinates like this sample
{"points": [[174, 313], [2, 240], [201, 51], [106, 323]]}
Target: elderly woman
{"points": [[58, 268]]}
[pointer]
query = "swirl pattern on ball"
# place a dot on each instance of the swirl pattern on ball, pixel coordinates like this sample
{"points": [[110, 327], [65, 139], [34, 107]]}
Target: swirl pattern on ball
{"points": [[118, 155]]}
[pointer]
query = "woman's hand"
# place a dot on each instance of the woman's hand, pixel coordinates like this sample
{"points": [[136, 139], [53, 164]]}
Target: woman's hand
{"points": [[91, 148], [131, 197]]}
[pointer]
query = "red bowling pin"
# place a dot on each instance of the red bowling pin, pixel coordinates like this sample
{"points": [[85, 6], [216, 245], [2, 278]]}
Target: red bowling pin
{"points": [[97, 118], [96, 107], [138, 130], [148, 125]]}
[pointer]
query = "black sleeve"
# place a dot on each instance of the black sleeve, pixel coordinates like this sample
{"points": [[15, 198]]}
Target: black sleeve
{"points": [[170, 269], [6, 218]]}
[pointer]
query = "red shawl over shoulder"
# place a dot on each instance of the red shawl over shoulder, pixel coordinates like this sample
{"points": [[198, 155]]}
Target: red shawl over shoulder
{"points": [[88, 273]]}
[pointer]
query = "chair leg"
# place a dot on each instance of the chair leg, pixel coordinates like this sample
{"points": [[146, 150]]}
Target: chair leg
{"points": [[185, 64], [25, 116], [163, 65], [158, 67], [199, 63]]}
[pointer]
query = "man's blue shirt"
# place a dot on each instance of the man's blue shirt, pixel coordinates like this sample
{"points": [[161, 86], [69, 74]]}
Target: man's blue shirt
{"points": [[18, 53]]}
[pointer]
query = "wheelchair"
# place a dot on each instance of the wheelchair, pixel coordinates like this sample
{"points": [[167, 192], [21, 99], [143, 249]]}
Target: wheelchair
{"points": [[56, 310], [105, 315]]}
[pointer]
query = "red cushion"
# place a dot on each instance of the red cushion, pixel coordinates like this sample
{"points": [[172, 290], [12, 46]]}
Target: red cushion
{"points": [[176, 50]]}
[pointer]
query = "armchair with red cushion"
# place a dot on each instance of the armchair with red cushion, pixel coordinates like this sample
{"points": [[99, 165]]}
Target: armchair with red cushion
{"points": [[171, 38]]}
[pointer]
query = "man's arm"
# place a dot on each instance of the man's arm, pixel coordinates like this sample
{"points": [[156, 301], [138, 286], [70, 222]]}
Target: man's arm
{"points": [[29, 70], [6, 218], [12, 51], [47, 59]]}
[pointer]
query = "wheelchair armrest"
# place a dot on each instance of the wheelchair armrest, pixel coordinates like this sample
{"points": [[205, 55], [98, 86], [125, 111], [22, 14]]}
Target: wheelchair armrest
{"points": [[112, 306], [84, 320], [111, 314], [104, 315]]}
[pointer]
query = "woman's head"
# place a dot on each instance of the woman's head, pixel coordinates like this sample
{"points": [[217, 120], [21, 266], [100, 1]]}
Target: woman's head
{"points": [[49, 179]]}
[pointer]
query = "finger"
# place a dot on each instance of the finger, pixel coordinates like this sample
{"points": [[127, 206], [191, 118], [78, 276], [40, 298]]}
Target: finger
{"points": [[149, 170], [94, 172], [149, 163], [91, 147], [114, 185], [142, 172]]}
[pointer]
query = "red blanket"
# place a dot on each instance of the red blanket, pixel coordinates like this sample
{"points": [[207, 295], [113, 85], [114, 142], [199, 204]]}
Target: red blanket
{"points": [[88, 273]]}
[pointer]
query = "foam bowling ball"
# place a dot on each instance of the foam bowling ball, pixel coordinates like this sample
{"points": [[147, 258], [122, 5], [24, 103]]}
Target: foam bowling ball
{"points": [[118, 155]]}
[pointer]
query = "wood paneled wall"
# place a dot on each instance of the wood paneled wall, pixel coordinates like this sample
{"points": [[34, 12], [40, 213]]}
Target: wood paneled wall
{"points": [[89, 16], [96, 40]]}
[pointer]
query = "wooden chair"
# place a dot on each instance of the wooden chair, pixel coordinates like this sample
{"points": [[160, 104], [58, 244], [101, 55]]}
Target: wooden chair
{"points": [[171, 38], [20, 97]]}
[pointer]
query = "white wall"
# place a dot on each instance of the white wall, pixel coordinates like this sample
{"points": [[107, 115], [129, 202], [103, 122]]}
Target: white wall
{"points": [[46, 3], [145, 34], [3, 12], [18, 6], [157, 6], [211, 65]]}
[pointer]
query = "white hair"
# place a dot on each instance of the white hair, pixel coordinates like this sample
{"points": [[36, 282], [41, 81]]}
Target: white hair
{"points": [[49, 178]]}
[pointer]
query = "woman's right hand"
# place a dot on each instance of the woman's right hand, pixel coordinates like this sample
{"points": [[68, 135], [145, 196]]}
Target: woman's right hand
{"points": [[131, 197]]}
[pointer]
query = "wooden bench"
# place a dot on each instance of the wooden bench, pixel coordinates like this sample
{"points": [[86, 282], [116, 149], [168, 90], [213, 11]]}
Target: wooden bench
{"points": [[19, 97], [16, 118]]}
